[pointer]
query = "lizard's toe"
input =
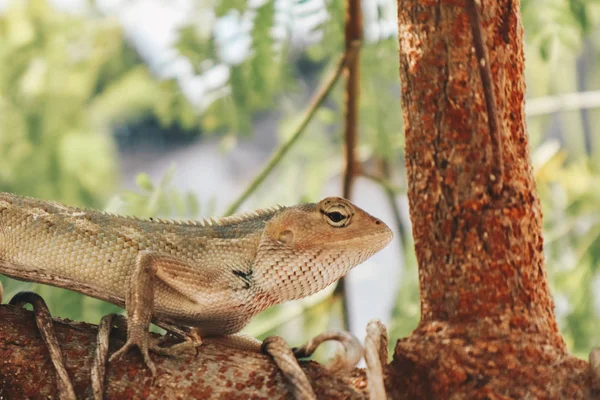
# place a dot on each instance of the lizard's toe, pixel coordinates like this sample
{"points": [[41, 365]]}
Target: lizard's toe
{"points": [[191, 342], [119, 353], [148, 361], [163, 351], [177, 348], [143, 349]]}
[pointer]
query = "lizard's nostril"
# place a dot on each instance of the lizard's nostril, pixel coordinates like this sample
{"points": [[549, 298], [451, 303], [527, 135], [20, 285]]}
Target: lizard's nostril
{"points": [[378, 222]]}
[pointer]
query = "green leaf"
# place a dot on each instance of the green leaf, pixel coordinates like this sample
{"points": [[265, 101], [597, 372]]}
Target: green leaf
{"points": [[144, 182]]}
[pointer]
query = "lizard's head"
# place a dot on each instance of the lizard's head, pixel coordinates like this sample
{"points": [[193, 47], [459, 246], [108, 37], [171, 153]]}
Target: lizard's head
{"points": [[307, 247]]}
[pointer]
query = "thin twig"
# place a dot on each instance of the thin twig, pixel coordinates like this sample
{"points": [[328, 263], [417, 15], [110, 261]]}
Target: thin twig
{"points": [[98, 370], [562, 102], [383, 182], [283, 356], [285, 147], [376, 357], [353, 34], [391, 197], [353, 350], [45, 325], [497, 174]]}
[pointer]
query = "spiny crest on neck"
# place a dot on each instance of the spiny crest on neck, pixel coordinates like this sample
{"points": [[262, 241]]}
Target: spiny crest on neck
{"points": [[37, 206], [229, 220], [211, 222]]}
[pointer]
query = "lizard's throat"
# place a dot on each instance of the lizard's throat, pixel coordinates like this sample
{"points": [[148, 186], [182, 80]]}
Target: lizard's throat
{"points": [[285, 276]]}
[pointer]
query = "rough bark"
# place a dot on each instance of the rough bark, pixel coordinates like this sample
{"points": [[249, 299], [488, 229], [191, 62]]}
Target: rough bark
{"points": [[488, 328], [214, 371]]}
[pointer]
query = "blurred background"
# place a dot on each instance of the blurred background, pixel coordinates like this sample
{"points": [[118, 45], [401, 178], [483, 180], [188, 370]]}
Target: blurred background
{"points": [[172, 107]]}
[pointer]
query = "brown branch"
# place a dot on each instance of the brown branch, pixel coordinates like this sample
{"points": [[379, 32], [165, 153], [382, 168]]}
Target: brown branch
{"points": [[376, 357], [483, 62], [391, 198], [284, 357], [44, 322], [278, 155], [353, 36], [383, 182], [213, 371]]}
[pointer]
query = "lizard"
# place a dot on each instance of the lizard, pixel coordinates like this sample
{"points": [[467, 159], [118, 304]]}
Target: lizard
{"points": [[211, 275]]}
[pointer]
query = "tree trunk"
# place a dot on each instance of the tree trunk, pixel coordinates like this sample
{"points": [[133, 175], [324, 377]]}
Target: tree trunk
{"points": [[488, 328]]}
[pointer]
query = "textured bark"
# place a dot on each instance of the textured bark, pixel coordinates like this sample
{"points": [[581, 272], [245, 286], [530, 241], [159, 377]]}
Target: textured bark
{"points": [[487, 326], [215, 371]]}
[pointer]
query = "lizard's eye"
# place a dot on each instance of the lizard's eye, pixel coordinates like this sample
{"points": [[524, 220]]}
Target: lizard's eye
{"points": [[338, 216]]}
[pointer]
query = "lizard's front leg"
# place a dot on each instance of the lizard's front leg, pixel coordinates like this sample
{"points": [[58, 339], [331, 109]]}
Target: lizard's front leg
{"points": [[139, 302]]}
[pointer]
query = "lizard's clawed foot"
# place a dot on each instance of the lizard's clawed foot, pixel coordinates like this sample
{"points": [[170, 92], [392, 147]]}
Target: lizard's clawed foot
{"points": [[138, 337], [145, 350]]}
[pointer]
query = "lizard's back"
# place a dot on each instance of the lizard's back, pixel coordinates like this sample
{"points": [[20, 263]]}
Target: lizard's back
{"points": [[94, 252]]}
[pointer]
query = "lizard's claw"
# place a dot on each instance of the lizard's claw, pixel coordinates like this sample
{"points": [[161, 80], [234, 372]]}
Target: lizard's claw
{"points": [[143, 349], [191, 339]]}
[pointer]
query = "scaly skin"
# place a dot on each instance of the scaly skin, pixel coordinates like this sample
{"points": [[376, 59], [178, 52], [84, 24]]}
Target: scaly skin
{"points": [[214, 275]]}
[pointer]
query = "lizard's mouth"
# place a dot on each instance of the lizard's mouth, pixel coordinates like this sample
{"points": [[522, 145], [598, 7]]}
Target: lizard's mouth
{"points": [[361, 247], [375, 241]]}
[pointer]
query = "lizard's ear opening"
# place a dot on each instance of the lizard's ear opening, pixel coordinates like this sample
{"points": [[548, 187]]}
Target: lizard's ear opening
{"points": [[286, 237]]}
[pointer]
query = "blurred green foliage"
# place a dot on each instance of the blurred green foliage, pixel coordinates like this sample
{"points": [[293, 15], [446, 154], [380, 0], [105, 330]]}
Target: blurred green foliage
{"points": [[152, 200], [51, 66], [67, 80], [571, 193]]}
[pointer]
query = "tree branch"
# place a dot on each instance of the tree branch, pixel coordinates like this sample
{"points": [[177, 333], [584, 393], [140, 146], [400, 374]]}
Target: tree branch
{"points": [[562, 102], [485, 72], [213, 371], [278, 155], [353, 35]]}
